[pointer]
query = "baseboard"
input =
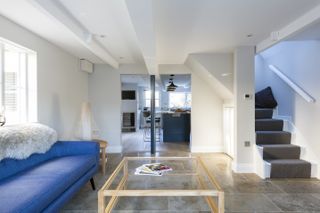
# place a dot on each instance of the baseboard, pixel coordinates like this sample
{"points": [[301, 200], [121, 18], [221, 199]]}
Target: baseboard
{"points": [[114, 149], [243, 167], [206, 149]]}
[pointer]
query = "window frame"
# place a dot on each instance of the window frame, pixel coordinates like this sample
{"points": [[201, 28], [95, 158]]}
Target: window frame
{"points": [[146, 99], [25, 88], [186, 94]]}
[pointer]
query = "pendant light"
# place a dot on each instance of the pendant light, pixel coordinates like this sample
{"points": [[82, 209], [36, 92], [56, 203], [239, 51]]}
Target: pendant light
{"points": [[171, 87]]}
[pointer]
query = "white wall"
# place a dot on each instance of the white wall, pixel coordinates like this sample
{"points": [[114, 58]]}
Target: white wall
{"points": [[218, 64], [206, 117], [244, 109], [217, 85], [61, 86], [105, 99], [300, 61]]}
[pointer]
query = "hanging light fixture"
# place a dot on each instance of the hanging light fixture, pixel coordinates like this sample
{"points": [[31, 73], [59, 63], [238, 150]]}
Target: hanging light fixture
{"points": [[171, 87]]}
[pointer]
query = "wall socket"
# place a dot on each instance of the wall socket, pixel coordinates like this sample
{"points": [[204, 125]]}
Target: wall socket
{"points": [[247, 143]]}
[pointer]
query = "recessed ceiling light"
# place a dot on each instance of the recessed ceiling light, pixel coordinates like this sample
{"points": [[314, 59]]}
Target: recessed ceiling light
{"points": [[100, 35], [226, 74]]}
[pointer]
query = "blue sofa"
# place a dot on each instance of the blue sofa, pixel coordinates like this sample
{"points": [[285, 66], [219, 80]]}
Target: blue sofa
{"points": [[45, 182]]}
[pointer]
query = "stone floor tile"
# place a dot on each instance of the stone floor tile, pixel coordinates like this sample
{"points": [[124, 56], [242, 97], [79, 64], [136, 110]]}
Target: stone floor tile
{"points": [[298, 186], [249, 202], [142, 203], [188, 204], [296, 202]]}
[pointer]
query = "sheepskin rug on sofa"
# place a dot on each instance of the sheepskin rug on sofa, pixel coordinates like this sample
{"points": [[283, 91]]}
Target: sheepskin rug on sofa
{"points": [[22, 140]]}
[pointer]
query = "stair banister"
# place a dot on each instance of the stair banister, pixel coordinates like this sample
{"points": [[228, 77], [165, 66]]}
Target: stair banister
{"points": [[293, 85]]}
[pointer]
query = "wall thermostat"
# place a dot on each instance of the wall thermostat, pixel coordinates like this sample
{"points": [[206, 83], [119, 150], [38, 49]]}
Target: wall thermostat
{"points": [[248, 96]]}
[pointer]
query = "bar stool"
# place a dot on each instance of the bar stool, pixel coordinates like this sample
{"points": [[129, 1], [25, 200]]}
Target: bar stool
{"points": [[147, 129]]}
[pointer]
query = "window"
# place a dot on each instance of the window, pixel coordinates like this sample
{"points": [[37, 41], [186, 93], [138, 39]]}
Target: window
{"points": [[179, 99], [147, 98], [17, 83]]}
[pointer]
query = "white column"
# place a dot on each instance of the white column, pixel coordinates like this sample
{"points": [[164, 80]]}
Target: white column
{"points": [[244, 108]]}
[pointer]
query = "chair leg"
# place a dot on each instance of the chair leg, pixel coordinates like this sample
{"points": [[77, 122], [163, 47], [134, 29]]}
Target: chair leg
{"points": [[92, 184]]}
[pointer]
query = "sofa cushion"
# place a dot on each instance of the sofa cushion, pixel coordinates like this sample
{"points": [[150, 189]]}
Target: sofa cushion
{"points": [[10, 167], [265, 99], [34, 189]]}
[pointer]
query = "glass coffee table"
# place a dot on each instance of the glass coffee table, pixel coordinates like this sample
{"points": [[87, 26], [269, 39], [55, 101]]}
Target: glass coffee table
{"points": [[189, 179]]}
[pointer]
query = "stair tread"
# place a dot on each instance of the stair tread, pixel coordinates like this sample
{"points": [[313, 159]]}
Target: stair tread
{"points": [[290, 168], [272, 132], [271, 109], [268, 124], [279, 146], [288, 161], [280, 151], [268, 119], [263, 113]]}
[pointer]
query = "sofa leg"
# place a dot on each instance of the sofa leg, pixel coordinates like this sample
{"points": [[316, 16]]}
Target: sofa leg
{"points": [[92, 184]]}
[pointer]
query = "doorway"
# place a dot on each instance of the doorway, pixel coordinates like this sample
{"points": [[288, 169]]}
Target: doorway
{"points": [[172, 113], [228, 130]]}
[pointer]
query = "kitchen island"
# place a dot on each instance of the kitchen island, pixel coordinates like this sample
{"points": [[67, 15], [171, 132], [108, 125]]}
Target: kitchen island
{"points": [[176, 127]]}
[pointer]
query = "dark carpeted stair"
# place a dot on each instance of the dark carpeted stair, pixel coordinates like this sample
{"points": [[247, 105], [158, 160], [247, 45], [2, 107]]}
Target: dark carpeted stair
{"points": [[269, 124], [290, 168], [280, 151], [263, 113], [277, 148], [273, 137]]}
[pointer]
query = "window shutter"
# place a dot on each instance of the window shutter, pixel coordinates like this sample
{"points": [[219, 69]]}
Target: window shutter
{"points": [[10, 97]]}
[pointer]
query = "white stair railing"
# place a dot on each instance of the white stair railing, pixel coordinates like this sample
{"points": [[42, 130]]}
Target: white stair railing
{"points": [[293, 85]]}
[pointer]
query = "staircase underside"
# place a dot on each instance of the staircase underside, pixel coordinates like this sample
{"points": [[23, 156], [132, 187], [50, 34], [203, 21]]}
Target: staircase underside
{"points": [[283, 157]]}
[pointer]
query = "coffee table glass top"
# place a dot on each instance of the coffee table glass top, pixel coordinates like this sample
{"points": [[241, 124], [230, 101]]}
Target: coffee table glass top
{"points": [[189, 179]]}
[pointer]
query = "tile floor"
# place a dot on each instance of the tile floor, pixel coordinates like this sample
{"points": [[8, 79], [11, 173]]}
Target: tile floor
{"points": [[243, 192], [132, 142]]}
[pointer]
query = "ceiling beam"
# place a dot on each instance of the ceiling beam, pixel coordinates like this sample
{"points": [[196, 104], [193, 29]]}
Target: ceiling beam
{"points": [[56, 11], [291, 29], [142, 17]]}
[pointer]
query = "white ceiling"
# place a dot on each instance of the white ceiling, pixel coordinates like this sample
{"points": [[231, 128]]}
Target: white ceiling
{"points": [[109, 18], [181, 26], [35, 20], [188, 26]]}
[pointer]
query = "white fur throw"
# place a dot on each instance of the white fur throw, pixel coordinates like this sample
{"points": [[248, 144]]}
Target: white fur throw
{"points": [[22, 140]]}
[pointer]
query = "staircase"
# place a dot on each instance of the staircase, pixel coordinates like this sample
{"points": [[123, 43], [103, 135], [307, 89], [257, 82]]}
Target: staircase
{"points": [[278, 151]]}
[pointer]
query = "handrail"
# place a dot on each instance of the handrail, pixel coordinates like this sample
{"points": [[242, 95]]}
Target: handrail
{"points": [[293, 85]]}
